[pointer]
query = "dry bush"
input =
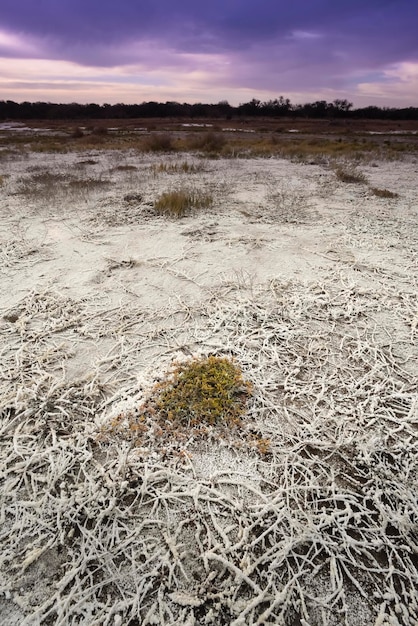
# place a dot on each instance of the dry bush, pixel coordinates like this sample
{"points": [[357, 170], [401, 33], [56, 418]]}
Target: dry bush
{"points": [[211, 143], [323, 149], [158, 142], [99, 130], [288, 205], [124, 168], [77, 133], [175, 168], [383, 193], [133, 198], [49, 185], [179, 202], [350, 175], [87, 162], [11, 154]]}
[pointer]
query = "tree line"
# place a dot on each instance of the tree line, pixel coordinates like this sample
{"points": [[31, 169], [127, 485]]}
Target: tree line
{"points": [[279, 107]]}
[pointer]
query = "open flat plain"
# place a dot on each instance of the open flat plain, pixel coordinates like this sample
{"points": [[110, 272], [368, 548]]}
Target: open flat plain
{"points": [[301, 265]]}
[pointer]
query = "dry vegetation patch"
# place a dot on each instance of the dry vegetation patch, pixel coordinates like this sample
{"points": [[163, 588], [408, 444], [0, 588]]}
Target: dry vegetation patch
{"points": [[350, 175], [179, 202], [48, 185], [158, 142], [383, 193], [212, 144], [184, 167], [135, 491]]}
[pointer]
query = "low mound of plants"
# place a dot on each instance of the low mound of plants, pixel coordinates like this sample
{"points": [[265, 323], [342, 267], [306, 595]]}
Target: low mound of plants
{"points": [[191, 400], [208, 390]]}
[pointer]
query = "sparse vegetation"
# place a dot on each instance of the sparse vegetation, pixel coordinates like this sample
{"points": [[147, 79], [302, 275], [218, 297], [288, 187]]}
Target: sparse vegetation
{"points": [[87, 162], [350, 175], [179, 202], [133, 198], [48, 185], [383, 193], [213, 144], [158, 142], [319, 141], [77, 133], [175, 168], [99, 130], [289, 205], [141, 489]]}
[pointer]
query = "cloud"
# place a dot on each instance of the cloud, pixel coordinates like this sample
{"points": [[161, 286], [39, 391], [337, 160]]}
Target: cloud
{"points": [[398, 86], [72, 26], [216, 50], [15, 45]]}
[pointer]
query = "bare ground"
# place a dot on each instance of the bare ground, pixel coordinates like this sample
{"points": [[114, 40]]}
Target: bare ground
{"points": [[305, 515]]}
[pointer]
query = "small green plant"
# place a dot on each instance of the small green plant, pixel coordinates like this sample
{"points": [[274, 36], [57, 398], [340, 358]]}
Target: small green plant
{"points": [[350, 175], [209, 390], [383, 193], [179, 202]]}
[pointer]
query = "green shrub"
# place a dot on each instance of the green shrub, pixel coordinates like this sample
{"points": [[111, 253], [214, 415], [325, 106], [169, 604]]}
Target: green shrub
{"points": [[209, 390]]}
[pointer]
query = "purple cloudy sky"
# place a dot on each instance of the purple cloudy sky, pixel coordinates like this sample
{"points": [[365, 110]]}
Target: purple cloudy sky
{"points": [[194, 51]]}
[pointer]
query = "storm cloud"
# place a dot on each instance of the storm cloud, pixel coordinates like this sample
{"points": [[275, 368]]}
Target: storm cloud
{"points": [[216, 50]]}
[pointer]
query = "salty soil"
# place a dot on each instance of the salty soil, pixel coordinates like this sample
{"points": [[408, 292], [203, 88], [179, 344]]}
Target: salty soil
{"points": [[308, 513]]}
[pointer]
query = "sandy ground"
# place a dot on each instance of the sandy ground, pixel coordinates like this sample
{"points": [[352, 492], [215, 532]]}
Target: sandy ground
{"points": [[307, 514]]}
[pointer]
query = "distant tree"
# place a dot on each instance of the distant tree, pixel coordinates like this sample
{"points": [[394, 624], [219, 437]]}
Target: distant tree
{"points": [[340, 108], [278, 106], [224, 109], [250, 108]]}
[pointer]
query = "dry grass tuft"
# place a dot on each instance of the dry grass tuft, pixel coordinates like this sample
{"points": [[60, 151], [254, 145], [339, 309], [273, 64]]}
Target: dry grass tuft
{"points": [[158, 142], [49, 185], [212, 144], [179, 202], [350, 175], [77, 133], [176, 168], [124, 168], [87, 162], [383, 193]]}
